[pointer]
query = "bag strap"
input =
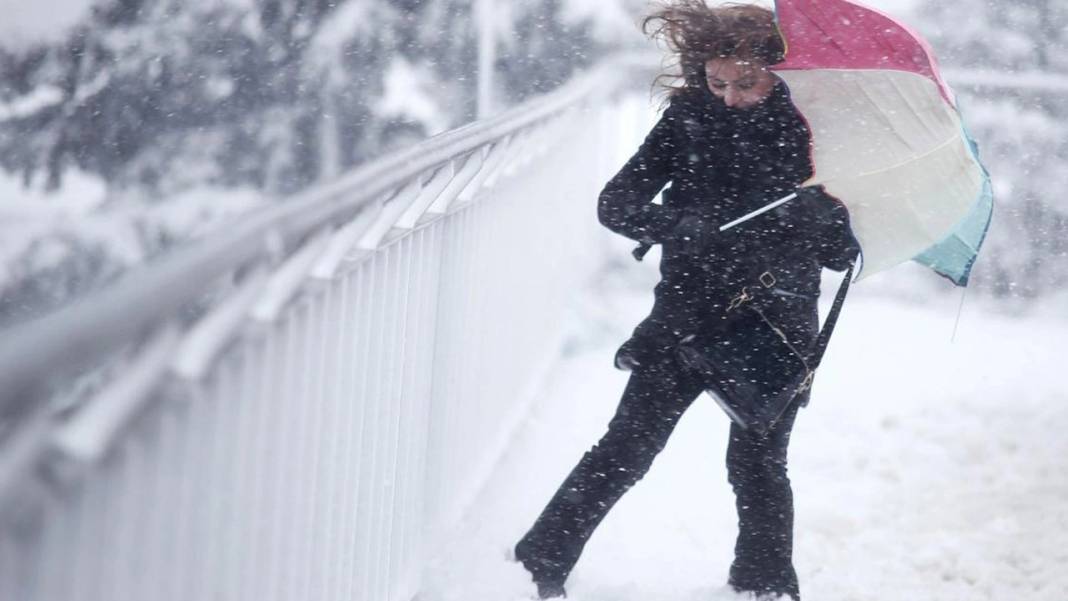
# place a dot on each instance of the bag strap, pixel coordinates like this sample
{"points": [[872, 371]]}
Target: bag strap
{"points": [[824, 337]]}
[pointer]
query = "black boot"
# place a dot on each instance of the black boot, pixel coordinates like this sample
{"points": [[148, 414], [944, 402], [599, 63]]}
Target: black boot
{"points": [[543, 572]]}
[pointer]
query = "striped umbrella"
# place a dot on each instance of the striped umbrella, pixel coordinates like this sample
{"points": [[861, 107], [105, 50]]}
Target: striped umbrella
{"points": [[888, 138]]}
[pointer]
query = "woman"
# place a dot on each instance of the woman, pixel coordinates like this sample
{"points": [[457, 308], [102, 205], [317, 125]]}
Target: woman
{"points": [[729, 142]]}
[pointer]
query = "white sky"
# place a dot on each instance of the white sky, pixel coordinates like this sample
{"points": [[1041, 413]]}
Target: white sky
{"points": [[891, 5], [25, 21]]}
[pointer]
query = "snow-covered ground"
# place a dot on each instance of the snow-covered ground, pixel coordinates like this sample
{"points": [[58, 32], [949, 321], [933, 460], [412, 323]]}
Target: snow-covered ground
{"points": [[925, 468]]}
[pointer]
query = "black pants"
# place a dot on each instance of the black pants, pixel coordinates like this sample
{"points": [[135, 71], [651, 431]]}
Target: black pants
{"points": [[647, 414]]}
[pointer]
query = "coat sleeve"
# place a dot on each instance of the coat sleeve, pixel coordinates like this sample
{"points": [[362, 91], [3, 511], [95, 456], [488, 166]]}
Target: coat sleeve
{"points": [[625, 204]]}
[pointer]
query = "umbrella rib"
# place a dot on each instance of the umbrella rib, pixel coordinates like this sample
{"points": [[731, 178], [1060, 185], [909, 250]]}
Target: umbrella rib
{"points": [[827, 37], [880, 114]]}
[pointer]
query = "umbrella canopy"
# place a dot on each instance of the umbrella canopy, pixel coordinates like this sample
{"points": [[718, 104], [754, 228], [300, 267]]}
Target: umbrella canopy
{"points": [[888, 139]]}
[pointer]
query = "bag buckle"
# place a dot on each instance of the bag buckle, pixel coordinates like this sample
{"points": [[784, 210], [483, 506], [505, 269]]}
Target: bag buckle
{"points": [[740, 300], [807, 382], [767, 279]]}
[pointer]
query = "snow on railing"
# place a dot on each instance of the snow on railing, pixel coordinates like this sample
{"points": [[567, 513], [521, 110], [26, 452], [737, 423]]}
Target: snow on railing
{"points": [[304, 400]]}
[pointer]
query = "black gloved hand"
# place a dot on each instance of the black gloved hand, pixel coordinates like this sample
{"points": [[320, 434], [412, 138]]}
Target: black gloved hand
{"points": [[693, 233], [824, 224]]}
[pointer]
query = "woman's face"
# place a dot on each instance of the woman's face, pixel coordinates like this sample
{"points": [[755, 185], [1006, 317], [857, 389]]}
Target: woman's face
{"points": [[741, 84]]}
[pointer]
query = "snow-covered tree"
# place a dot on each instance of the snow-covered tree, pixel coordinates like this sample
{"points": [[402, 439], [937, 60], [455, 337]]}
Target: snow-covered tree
{"points": [[543, 49], [155, 89], [276, 94], [1023, 35]]}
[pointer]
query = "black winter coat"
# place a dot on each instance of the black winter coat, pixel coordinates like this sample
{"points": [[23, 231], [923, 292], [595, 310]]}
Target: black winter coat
{"points": [[722, 163]]}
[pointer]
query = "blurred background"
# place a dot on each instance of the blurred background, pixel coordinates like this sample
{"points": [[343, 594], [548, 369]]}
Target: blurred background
{"points": [[129, 125]]}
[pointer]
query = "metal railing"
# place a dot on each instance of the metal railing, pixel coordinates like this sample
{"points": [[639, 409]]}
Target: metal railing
{"points": [[986, 80], [298, 405]]}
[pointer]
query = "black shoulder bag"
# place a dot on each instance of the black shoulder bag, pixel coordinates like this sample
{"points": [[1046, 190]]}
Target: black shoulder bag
{"points": [[755, 382]]}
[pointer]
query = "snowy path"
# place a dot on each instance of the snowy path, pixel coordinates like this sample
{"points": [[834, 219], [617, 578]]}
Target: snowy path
{"points": [[923, 470]]}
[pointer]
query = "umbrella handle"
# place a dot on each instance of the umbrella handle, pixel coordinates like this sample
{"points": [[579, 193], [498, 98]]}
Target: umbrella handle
{"points": [[760, 211]]}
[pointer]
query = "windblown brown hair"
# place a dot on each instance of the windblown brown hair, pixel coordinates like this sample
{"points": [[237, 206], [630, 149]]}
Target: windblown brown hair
{"points": [[695, 32]]}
